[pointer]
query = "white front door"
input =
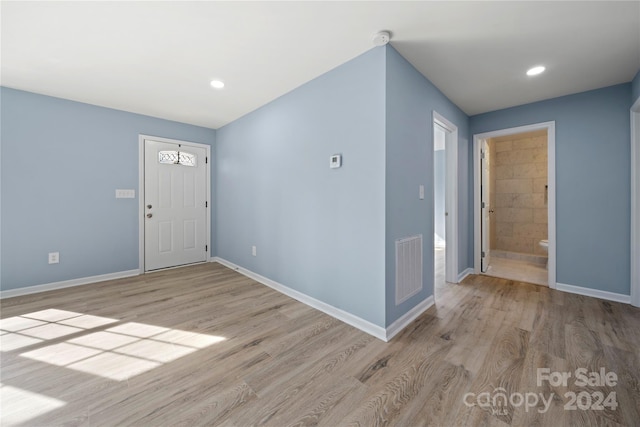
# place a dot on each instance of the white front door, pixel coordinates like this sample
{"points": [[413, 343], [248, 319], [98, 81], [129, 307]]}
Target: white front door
{"points": [[486, 207], [175, 204]]}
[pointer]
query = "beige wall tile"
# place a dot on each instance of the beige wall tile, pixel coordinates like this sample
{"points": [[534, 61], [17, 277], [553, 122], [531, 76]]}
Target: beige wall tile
{"points": [[522, 200], [540, 155], [505, 158], [514, 244], [529, 170], [540, 216], [539, 200], [514, 215], [539, 185], [504, 229], [503, 145], [528, 143], [504, 172], [530, 230], [503, 200], [526, 156], [518, 179], [514, 186]]}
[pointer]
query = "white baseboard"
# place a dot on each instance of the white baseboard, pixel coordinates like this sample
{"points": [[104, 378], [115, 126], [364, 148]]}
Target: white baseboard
{"points": [[596, 293], [348, 318], [10, 293], [464, 274], [407, 318]]}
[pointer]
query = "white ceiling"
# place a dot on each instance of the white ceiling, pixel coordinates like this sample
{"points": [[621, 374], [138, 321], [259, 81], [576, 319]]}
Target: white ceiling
{"points": [[157, 58]]}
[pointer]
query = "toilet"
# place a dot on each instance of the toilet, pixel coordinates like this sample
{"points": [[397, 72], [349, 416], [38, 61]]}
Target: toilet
{"points": [[544, 244]]}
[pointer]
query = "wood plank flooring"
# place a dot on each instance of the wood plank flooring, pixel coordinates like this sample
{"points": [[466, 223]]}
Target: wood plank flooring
{"points": [[203, 345]]}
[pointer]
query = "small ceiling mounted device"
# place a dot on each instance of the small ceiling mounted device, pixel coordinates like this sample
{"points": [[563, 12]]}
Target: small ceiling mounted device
{"points": [[381, 38]]}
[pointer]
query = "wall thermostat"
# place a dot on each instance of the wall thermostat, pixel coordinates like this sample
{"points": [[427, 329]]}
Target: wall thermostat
{"points": [[335, 161]]}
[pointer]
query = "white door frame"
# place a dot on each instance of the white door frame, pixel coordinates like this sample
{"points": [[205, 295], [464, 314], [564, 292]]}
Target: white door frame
{"points": [[550, 127], [635, 204], [141, 194], [451, 192], [485, 205]]}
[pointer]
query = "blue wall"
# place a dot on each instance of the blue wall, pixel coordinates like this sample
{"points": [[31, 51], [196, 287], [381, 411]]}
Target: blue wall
{"points": [[411, 100], [330, 234], [317, 230], [635, 88], [592, 181], [61, 163]]}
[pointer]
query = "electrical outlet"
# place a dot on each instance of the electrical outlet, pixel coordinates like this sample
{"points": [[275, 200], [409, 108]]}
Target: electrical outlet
{"points": [[254, 251], [54, 257]]}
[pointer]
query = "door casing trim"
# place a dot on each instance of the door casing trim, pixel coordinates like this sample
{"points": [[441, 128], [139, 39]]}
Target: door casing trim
{"points": [[635, 204], [451, 191], [551, 181], [141, 194]]}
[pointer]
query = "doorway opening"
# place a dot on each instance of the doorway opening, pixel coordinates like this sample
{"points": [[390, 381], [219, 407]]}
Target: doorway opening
{"points": [[174, 203], [514, 192], [445, 194], [635, 204]]}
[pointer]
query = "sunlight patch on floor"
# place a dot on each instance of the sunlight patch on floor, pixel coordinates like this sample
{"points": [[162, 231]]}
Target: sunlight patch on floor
{"points": [[19, 406], [117, 353]]}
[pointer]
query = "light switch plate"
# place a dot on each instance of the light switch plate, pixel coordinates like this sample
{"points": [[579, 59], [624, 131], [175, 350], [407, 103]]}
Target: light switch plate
{"points": [[125, 194], [421, 192]]}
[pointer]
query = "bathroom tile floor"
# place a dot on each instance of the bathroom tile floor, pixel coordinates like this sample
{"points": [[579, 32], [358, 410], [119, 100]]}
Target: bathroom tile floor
{"points": [[519, 270]]}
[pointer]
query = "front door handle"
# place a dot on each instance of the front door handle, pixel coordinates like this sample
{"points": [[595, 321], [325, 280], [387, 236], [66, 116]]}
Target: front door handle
{"points": [[149, 215]]}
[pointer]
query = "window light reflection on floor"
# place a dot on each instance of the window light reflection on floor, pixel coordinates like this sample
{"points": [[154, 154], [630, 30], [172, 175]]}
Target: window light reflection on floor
{"points": [[20, 406], [117, 353]]}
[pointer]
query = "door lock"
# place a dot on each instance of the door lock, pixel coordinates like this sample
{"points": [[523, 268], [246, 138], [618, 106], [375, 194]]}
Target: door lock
{"points": [[149, 206]]}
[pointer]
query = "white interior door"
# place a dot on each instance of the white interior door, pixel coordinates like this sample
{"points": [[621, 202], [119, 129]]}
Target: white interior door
{"points": [[485, 207], [175, 205]]}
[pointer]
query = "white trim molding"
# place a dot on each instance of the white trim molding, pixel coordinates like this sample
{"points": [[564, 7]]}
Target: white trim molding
{"points": [[464, 274], [595, 293], [393, 329], [451, 195], [635, 204], [384, 334], [10, 293], [551, 181], [355, 321]]}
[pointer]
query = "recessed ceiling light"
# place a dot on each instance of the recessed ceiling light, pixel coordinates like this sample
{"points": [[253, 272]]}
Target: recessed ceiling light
{"points": [[217, 84], [536, 70]]}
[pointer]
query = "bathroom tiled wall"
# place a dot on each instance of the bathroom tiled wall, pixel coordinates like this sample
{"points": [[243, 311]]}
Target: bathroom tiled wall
{"points": [[518, 174]]}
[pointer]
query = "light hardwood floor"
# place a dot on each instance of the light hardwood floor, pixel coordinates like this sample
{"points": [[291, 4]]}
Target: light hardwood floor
{"points": [[203, 345]]}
